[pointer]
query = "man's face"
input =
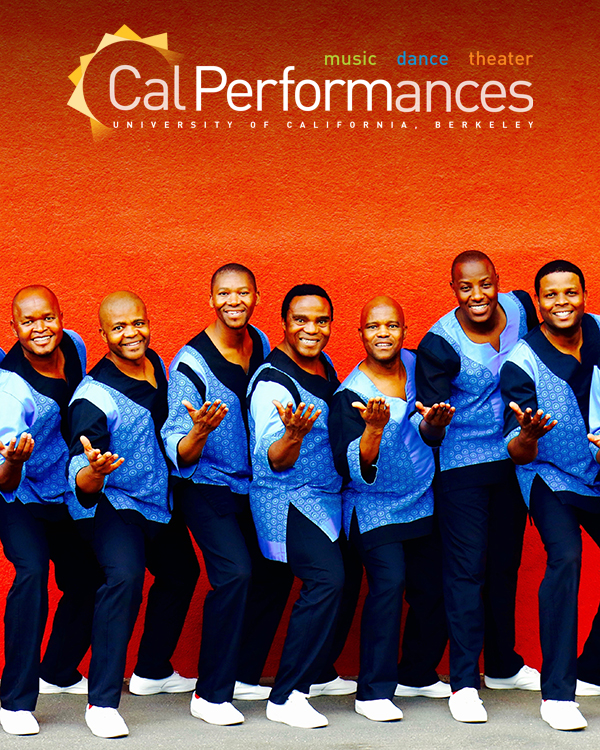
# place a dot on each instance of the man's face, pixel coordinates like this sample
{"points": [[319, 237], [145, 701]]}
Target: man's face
{"points": [[561, 301], [37, 322], [233, 298], [382, 332], [307, 326], [475, 284], [126, 329]]}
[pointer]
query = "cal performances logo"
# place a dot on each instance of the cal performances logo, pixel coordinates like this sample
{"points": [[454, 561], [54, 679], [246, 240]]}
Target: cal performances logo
{"points": [[124, 34]]}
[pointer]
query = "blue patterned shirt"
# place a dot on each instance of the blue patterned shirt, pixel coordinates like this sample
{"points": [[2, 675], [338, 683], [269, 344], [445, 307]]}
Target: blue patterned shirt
{"points": [[451, 367], [123, 415], [201, 373], [539, 376], [398, 491], [34, 403], [312, 484]]}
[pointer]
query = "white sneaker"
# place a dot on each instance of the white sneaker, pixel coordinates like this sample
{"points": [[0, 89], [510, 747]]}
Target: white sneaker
{"points": [[174, 683], [245, 692], [465, 705], [586, 688], [527, 678], [221, 714], [563, 715], [78, 688], [439, 689], [339, 686], [382, 709], [296, 712], [18, 722], [105, 722]]}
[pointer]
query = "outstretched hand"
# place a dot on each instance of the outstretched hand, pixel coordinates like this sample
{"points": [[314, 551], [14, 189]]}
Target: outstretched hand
{"points": [[18, 453], [208, 417], [533, 425], [438, 415], [298, 423], [376, 413], [595, 440], [100, 463]]}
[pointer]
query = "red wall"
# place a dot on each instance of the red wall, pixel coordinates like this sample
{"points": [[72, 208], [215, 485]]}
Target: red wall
{"points": [[360, 211]]}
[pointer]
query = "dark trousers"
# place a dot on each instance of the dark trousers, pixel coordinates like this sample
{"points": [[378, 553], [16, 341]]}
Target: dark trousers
{"points": [[317, 562], [124, 550], [30, 541], [353, 573], [482, 538], [249, 593], [413, 565], [560, 529]]}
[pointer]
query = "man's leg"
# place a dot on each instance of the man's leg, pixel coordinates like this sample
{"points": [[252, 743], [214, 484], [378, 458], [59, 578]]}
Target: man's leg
{"points": [[78, 576], [463, 519], [25, 545], [269, 590], [171, 559], [229, 570], [588, 664], [559, 529], [120, 549], [353, 573], [317, 561], [425, 630], [381, 619], [508, 514]]}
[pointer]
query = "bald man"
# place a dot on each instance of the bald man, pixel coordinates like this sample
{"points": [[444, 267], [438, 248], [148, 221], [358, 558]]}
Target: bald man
{"points": [[37, 379], [119, 475], [388, 466], [479, 505]]}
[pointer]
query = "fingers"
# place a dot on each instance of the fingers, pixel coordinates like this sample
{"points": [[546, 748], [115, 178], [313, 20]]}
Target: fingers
{"points": [[360, 406], [191, 409], [594, 439], [516, 408], [87, 446], [420, 408]]}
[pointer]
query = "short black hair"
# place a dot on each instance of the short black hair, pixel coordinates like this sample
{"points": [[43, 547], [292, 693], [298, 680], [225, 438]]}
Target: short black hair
{"points": [[558, 266], [304, 290], [470, 256], [232, 268]]}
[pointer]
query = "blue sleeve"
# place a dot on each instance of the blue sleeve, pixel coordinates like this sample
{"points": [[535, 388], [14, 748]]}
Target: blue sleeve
{"points": [[184, 384], [437, 366], [80, 346]]}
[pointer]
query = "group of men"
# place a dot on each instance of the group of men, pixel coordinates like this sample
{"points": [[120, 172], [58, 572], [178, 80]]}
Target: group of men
{"points": [[418, 468]]}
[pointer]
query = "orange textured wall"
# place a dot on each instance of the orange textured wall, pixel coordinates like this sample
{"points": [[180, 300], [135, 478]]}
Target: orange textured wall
{"points": [[359, 210]]}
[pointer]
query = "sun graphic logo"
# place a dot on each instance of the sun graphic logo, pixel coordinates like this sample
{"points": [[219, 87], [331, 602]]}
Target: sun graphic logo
{"points": [[124, 34]]}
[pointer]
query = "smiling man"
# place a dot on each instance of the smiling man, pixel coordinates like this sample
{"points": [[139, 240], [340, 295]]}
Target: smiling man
{"points": [[118, 471], [479, 504], [388, 512], [550, 388], [295, 493], [207, 441], [37, 379]]}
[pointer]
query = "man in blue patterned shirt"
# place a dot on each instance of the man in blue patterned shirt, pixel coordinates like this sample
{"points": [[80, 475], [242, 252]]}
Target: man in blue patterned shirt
{"points": [[295, 493], [387, 463], [37, 379], [479, 504], [119, 475], [550, 388], [206, 439]]}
